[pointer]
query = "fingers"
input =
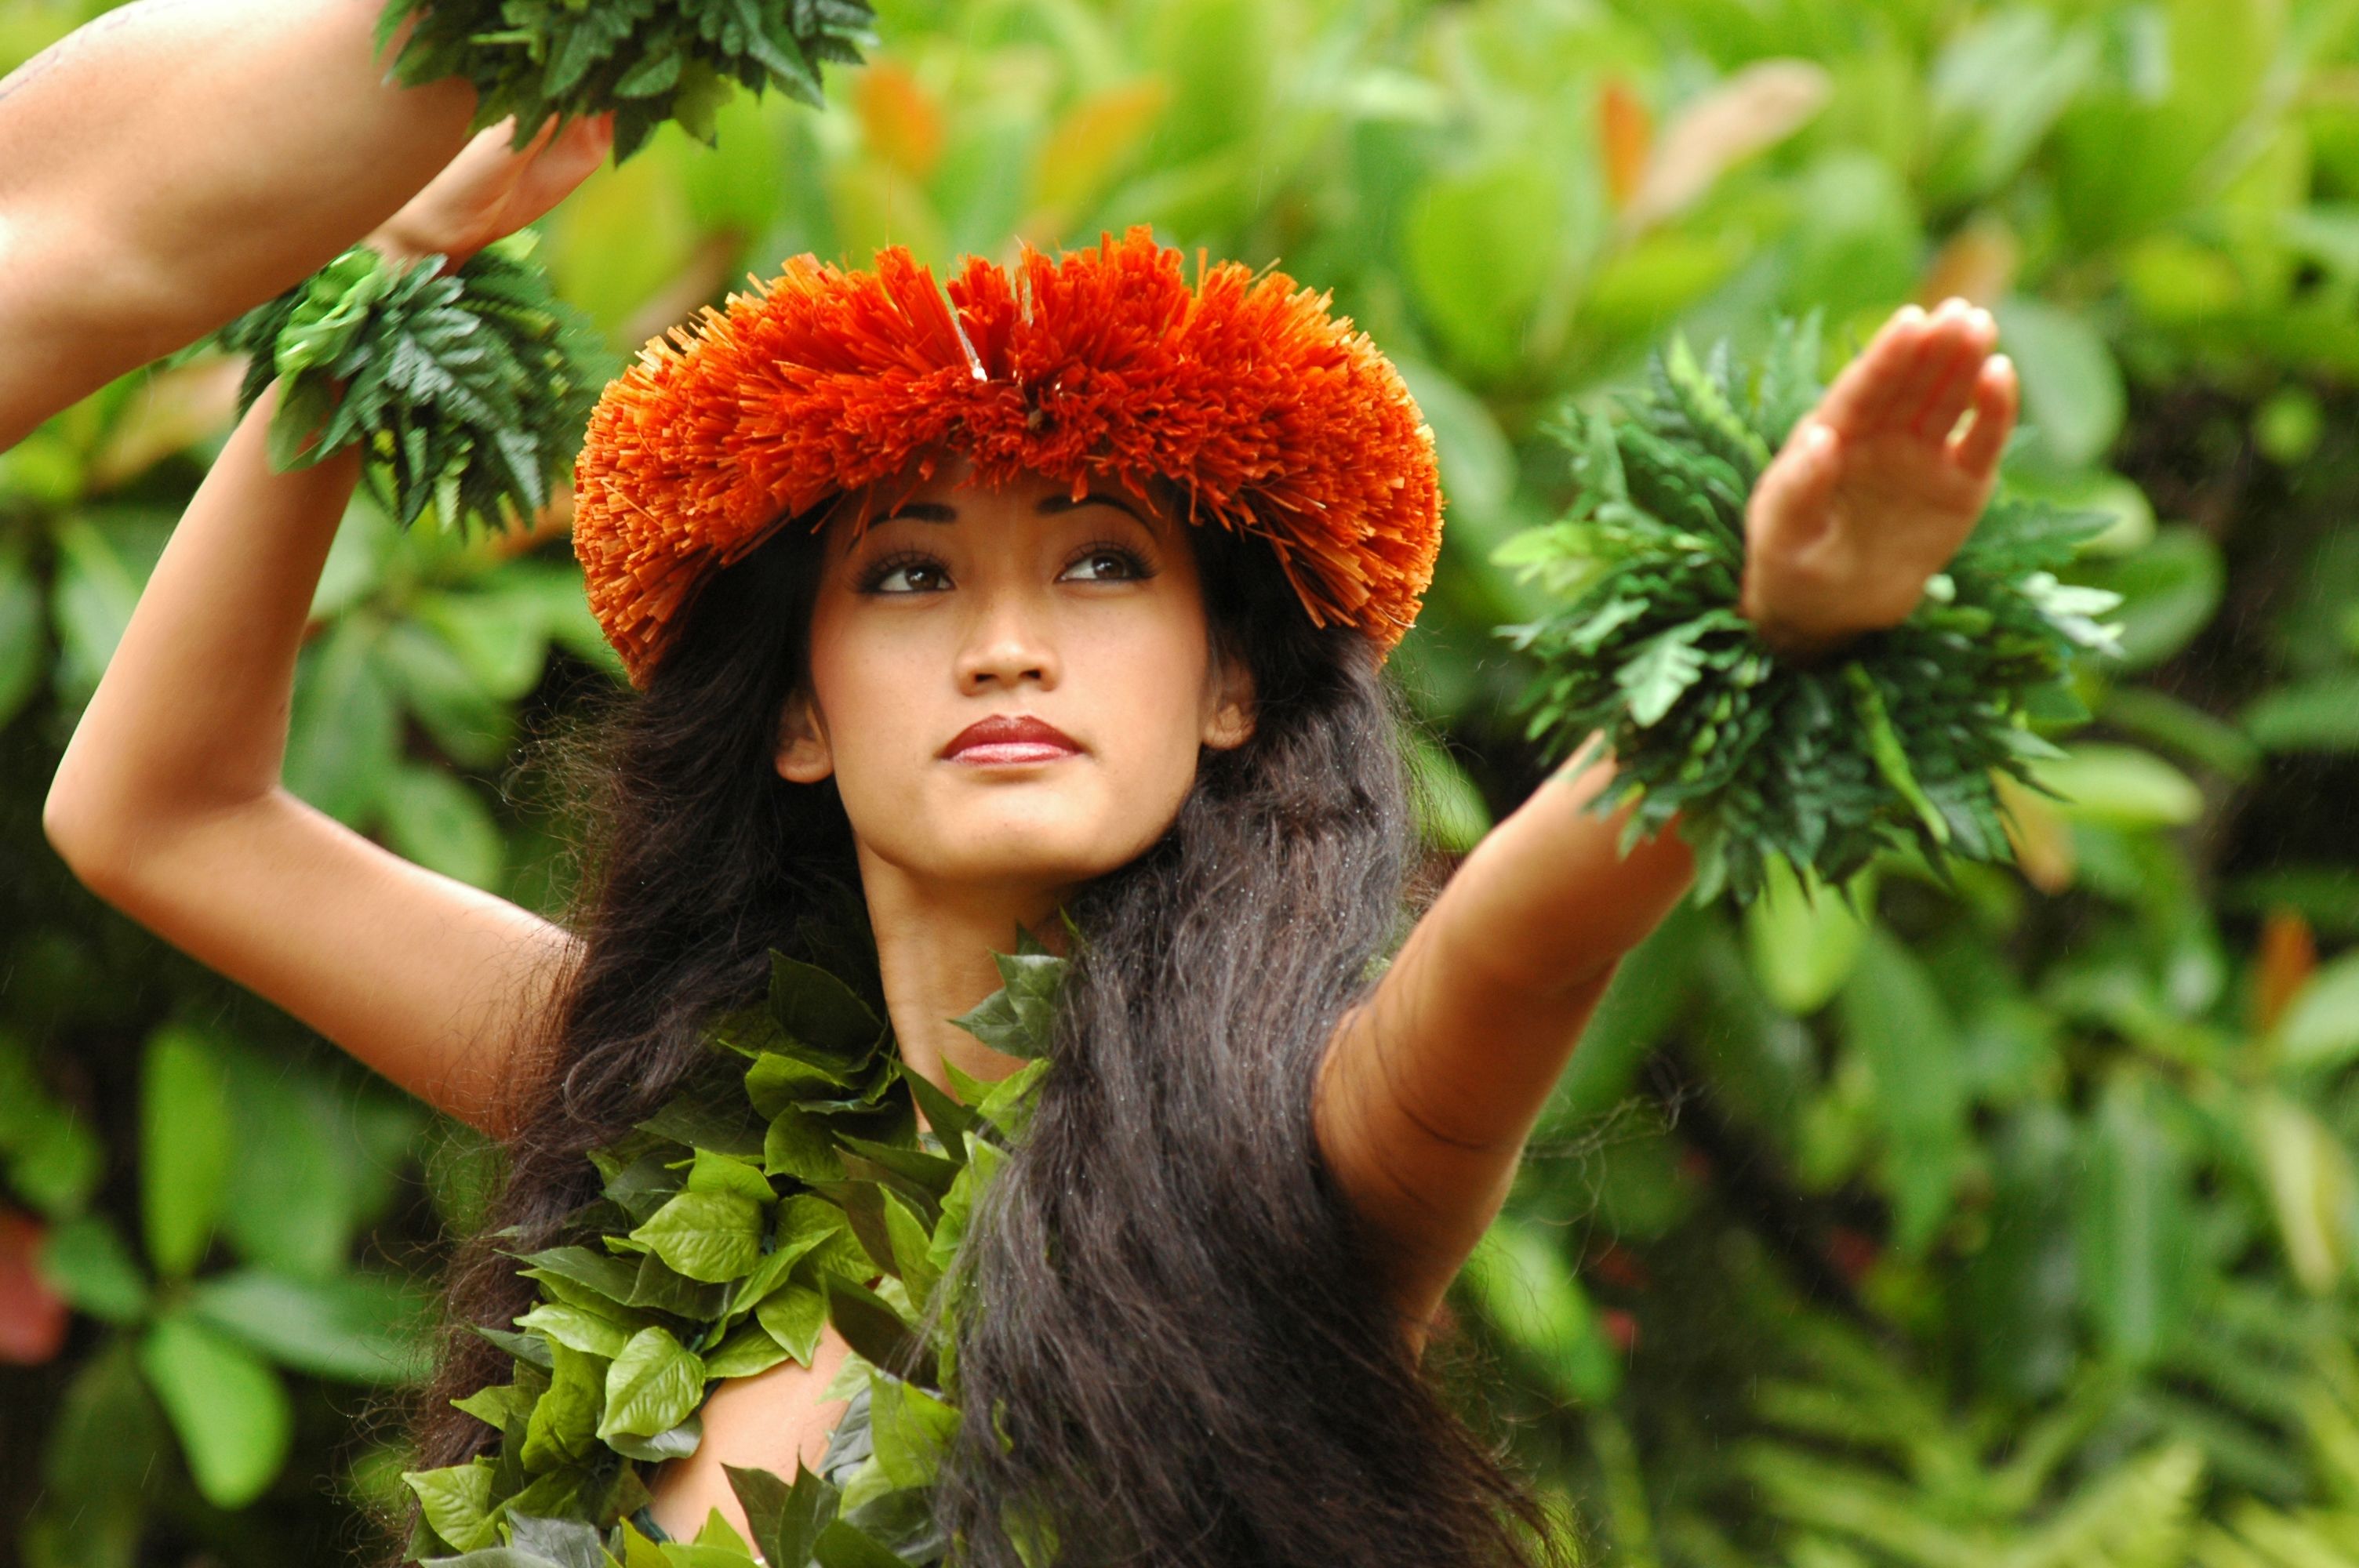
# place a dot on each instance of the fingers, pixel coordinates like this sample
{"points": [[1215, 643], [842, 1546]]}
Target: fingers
{"points": [[1965, 341], [1858, 401], [1996, 394]]}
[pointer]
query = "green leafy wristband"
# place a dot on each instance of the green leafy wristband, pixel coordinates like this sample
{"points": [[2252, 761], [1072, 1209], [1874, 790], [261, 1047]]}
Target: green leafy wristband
{"points": [[647, 61], [1893, 744], [470, 390]]}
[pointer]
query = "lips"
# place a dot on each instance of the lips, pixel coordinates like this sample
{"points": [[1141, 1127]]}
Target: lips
{"points": [[1011, 737]]}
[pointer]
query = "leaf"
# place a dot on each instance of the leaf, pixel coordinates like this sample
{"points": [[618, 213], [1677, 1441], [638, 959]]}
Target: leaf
{"points": [[651, 1387], [564, 1426], [1804, 938], [709, 1237], [184, 1147], [1526, 1287], [229, 1409], [85, 1262], [2074, 399], [2319, 1027], [800, 1146], [913, 1430], [362, 1327], [713, 1173], [819, 1010], [1895, 1022], [869, 1324], [582, 1327], [786, 1519], [794, 1317], [2121, 785], [434, 819], [24, 643], [2319, 714], [1665, 668], [344, 735], [455, 1499], [749, 1350], [2312, 1192], [2135, 1239]]}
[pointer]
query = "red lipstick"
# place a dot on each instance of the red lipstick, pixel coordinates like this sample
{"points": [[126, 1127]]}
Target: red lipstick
{"points": [[1011, 737]]}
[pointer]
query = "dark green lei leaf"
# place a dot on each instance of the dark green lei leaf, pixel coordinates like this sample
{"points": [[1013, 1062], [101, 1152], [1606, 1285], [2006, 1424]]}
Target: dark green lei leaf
{"points": [[471, 390], [648, 61], [1893, 745], [760, 1199]]}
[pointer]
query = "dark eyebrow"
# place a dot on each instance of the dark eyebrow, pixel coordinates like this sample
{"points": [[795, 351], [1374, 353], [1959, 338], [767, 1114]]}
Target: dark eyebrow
{"points": [[937, 512]]}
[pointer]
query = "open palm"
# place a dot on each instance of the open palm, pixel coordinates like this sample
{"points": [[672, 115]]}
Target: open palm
{"points": [[1877, 488]]}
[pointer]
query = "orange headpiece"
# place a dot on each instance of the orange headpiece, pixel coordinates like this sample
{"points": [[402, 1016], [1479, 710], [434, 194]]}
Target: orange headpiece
{"points": [[1274, 417]]}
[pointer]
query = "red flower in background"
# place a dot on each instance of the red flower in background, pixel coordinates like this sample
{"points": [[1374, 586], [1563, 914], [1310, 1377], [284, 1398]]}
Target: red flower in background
{"points": [[33, 1317]]}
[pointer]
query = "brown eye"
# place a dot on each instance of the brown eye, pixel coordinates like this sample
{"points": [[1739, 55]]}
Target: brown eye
{"points": [[1127, 563], [877, 575]]}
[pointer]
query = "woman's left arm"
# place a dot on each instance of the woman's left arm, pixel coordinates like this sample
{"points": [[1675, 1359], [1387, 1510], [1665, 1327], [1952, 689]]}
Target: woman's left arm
{"points": [[1431, 1086]]}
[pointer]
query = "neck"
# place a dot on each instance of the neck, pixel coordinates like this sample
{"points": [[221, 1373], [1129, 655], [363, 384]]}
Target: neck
{"points": [[934, 943]]}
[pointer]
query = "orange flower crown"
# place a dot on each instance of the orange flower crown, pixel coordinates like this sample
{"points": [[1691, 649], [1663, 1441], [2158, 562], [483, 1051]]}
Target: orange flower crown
{"points": [[1274, 417]]}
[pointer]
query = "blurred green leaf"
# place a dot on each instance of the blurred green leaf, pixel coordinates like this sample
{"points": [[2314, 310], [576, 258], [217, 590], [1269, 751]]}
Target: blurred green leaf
{"points": [[2074, 400], [24, 644], [1803, 944], [1479, 245], [2320, 714], [2120, 786], [2170, 590], [346, 731], [2136, 1246], [440, 822], [104, 559], [1895, 1022], [1450, 811], [184, 1155], [361, 1327], [1520, 1277], [85, 1262], [2319, 1028], [2311, 1187], [235, 1423]]}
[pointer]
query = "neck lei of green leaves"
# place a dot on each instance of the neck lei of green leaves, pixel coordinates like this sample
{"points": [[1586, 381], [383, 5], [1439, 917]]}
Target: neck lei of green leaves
{"points": [[786, 1185]]}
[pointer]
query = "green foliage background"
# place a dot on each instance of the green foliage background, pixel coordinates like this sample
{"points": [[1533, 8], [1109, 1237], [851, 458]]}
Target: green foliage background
{"points": [[2011, 1225]]}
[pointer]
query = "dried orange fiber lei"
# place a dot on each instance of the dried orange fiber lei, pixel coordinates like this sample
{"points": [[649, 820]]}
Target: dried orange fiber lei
{"points": [[1275, 417]]}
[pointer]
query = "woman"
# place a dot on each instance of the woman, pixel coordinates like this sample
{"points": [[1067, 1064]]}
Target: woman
{"points": [[973, 669]]}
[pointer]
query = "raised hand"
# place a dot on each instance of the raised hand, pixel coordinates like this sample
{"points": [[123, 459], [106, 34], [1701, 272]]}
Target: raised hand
{"points": [[490, 190], [1877, 488]]}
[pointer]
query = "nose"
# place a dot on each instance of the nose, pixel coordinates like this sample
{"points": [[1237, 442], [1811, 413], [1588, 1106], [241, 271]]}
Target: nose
{"points": [[1007, 643]]}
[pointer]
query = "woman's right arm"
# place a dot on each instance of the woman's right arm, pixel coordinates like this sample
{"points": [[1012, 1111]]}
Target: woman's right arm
{"points": [[169, 805], [176, 162]]}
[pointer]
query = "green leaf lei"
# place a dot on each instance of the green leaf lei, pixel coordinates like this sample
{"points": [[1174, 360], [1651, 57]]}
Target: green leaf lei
{"points": [[757, 1203], [1893, 744], [471, 389], [648, 61]]}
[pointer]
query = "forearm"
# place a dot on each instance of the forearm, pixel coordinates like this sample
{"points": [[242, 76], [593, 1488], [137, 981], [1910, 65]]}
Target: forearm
{"points": [[1550, 892], [190, 717], [177, 162]]}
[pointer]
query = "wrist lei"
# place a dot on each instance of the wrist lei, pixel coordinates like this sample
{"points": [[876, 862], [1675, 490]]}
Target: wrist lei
{"points": [[1889, 742], [468, 389], [647, 61], [757, 1204]]}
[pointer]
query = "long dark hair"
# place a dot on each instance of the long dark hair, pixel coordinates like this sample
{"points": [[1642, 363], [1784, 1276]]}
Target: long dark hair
{"points": [[1180, 1326]]}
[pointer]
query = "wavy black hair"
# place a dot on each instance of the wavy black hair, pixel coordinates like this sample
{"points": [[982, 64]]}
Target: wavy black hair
{"points": [[1180, 1325]]}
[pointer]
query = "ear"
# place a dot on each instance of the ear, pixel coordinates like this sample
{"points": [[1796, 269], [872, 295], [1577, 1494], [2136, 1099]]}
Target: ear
{"points": [[804, 755], [1229, 717]]}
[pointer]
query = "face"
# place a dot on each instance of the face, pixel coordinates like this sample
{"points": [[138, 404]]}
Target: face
{"points": [[964, 605]]}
